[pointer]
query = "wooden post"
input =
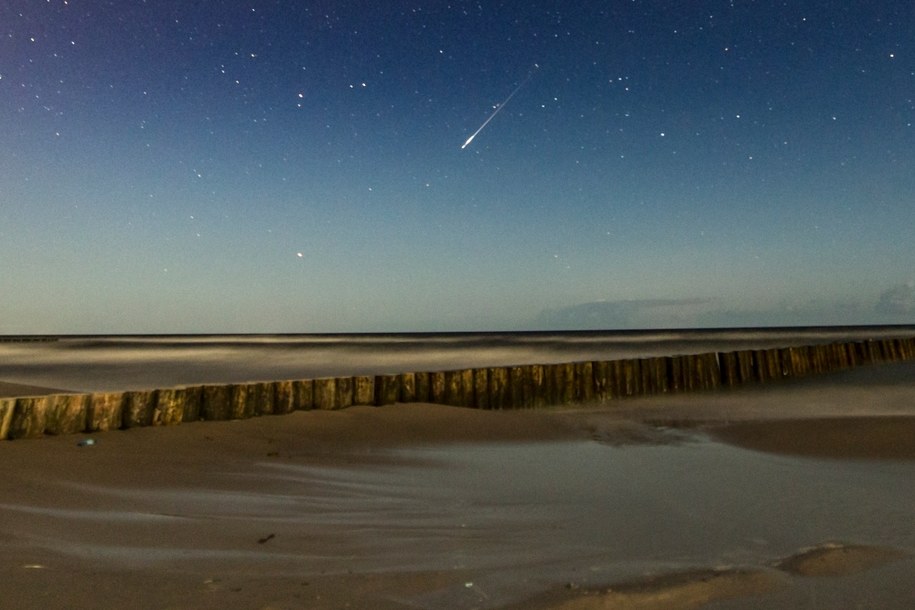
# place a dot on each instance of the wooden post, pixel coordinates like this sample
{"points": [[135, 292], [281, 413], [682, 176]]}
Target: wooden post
{"points": [[66, 413], [216, 403], [169, 409], [454, 389], [345, 392], [663, 373], [611, 382], [910, 348], [498, 388], [872, 351], [106, 409], [408, 387], [812, 359], [481, 389], [906, 348], [631, 377], [888, 348], [28, 418], [549, 384], [303, 391], [554, 381], [139, 406], [761, 365], [387, 389], [466, 376], [193, 403], [244, 401], [707, 374], [423, 390], [7, 406], [844, 355], [584, 382], [745, 367], [675, 373], [437, 387], [363, 390], [838, 354], [640, 377], [775, 364], [856, 353], [516, 381], [563, 383], [284, 398], [711, 371], [263, 397], [788, 365], [691, 374], [817, 358], [601, 371], [685, 373], [326, 393], [834, 355], [654, 375], [538, 386], [851, 354], [526, 387], [730, 374], [457, 394]]}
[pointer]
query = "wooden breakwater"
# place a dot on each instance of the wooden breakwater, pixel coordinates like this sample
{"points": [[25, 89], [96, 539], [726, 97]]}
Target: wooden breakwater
{"points": [[505, 387]]}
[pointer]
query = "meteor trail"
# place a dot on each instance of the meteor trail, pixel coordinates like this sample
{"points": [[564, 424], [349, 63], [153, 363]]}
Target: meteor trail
{"points": [[496, 111]]}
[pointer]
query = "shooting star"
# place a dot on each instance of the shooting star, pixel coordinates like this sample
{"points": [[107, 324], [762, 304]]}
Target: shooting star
{"points": [[498, 108]]}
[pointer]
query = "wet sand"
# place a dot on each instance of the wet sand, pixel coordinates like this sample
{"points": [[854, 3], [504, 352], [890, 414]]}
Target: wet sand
{"points": [[796, 495], [886, 438]]}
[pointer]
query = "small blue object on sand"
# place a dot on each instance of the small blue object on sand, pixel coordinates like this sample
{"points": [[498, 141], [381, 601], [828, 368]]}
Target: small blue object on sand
{"points": [[86, 442]]}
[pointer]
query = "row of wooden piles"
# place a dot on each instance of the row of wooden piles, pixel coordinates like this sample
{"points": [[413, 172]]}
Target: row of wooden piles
{"points": [[509, 387]]}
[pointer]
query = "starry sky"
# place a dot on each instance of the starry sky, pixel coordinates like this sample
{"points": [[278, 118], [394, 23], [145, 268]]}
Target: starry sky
{"points": [[276, 166]]}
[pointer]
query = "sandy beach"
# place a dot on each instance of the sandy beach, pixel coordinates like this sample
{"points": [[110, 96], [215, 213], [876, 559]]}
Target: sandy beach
{"points": [[796, 495]]}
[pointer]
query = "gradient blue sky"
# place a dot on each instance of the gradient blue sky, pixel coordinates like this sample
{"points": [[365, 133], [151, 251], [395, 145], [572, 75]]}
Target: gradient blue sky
{"points": [[169, 166]]}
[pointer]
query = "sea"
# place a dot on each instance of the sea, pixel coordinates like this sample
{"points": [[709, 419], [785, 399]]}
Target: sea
{"points": [[88, 363]]}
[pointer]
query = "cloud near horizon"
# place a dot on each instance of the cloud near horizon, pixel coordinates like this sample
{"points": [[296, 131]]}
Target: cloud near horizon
{"points": [[623, 314], [895, 305], [897, 300]]}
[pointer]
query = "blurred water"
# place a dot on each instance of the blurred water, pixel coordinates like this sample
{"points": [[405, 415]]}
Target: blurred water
{"points": [[144, 362]]}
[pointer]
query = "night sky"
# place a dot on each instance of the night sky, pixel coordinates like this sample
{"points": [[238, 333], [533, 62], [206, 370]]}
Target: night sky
{"points": [[171, 166]]}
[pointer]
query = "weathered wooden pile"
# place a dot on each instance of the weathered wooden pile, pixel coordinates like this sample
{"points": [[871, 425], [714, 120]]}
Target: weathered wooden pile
{"points": [[509, 387]]}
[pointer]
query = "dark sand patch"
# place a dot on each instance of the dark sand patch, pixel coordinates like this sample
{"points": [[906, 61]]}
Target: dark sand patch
{"points": [[889, 437], [834, 559]]}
